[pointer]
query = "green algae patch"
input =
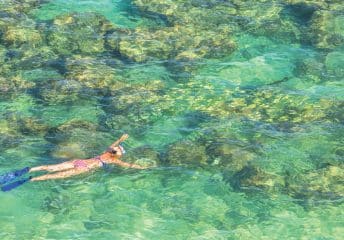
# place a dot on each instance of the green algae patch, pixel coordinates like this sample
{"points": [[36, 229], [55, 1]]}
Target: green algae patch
{"points": [[91, 73], [327, 28], [186, 153], [322, 184], [87, 36], [334, 62], [144, 156], [17, 36], [180, 42]]}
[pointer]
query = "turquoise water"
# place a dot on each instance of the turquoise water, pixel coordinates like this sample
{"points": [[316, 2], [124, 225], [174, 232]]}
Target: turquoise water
{"points": [[236, 107]]}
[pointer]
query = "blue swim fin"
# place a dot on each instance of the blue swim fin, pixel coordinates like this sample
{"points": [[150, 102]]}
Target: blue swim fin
{"points": [[15, 184], [7, 177]]}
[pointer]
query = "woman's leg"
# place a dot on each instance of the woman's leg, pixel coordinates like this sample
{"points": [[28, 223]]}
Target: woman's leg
{"points": [[59, 175], [54, 168]]}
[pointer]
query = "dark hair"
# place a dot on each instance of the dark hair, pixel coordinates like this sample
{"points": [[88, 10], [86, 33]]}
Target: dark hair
{"points": [[111, 150]]}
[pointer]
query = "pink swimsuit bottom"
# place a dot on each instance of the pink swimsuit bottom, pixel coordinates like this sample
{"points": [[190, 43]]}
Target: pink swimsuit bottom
{"points": [[82, 164]]}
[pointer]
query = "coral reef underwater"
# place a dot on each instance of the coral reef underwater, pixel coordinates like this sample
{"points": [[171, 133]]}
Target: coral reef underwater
{"points": [[249, 93]]}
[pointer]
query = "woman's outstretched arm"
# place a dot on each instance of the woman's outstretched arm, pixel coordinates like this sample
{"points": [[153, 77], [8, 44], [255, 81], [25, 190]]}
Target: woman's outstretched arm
{"points": [[129, 165]]}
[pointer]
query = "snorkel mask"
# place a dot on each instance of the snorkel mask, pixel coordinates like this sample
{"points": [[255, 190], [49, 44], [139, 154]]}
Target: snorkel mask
{"points": [[122, 149], [113, 151]]}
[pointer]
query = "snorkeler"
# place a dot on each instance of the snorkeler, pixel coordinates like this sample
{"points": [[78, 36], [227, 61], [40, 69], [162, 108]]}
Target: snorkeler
{"points": [[70, 168]]}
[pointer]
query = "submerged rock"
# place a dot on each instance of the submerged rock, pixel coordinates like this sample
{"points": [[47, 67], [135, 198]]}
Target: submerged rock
{"points": [[144, 45], [334, 64], [52, 87], [144, 156], [113, 40], [22, 6], [311, 68], [266, 18], [327, 29], [179, 42], [77, 139], [186, 153], [2, 54], [133, 100], [27, 58], [271, 106], [78, 33], [231, 156], [281, 20], [303, 10], [19, 35], [62, 91], [195, 31], [253, 178], [308, 3], [13, 85], [26, 125], [323, 184], [280, 30], [203, 13], [91, 73], [121, 122], [9, 137], [135, 107]]}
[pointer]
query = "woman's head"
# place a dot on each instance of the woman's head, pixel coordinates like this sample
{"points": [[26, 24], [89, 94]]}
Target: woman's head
{"points": [[117, 150]]}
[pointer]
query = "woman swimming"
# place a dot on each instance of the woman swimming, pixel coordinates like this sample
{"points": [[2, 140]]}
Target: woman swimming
{"points": [[71, 168], [77, 166]]}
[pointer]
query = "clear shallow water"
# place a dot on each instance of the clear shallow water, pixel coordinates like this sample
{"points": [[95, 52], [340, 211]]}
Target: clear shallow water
{"points": [[238, 105], [118, 12]]}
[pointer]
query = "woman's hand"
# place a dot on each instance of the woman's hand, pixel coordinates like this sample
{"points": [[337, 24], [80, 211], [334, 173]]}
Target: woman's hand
{"points": [[121, 139]]}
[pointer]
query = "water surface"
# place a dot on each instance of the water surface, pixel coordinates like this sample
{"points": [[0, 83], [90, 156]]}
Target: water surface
{"points": [[237, 107]]}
